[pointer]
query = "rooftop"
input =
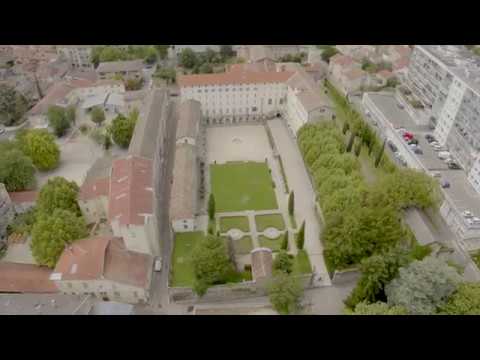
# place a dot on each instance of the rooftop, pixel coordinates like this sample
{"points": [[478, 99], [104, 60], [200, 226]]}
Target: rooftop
{"points": [[459, 60], [131, 190], [235, 77], [93, 189], [184, 195], [25, 278], [118, 66]]}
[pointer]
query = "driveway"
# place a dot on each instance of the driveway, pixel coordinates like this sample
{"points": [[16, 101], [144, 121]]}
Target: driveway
{"points": [[299, 182]]}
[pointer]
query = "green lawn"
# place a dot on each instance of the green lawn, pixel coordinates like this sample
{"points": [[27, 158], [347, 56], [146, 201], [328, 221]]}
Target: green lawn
{"points": [[240, 186], [265, 221], [301, 263], [243, 246], [182, 268], [274, 244], [234, 222]]}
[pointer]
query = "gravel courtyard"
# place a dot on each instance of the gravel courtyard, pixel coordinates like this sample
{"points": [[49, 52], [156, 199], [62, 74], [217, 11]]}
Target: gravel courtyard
{"points": [[237, 143]]}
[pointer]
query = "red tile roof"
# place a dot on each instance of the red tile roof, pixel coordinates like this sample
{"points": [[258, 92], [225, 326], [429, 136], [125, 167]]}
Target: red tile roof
{"points": [[234, 77], [20, 197], [342, 60], [131, 190], [83, 260], [95, 188], [25, 278], [386, 74]]}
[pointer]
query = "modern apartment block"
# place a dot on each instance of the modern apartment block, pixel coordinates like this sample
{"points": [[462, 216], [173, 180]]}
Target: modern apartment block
{"points": [[78, 55], [446, 78]]}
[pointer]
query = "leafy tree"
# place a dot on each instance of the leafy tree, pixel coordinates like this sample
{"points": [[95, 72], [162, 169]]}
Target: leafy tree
{"points": [[211, 206], [13, 105], [291, 203], [285, 293], [226, 51], [301, 236], [284, 245], [150, 55], [133, 84], [58, 193], [167, 74], [188, 58], [423, 286], [328, 53], [52, 232], [99, 136], [377, 271], [211, 263], [162, 51], [205, 68], [57, 119], [39, 145], [122, 129], [378, 308], [350, 142], [283, 262], [465, 301], [17, 172], [70, 114], [97, 115], [380, 154]]}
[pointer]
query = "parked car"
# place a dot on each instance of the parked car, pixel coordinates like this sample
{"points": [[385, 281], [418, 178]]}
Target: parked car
{"points": [[158, 264], [454, 166], [467, 214], [392, 146], [445, 184], [413, 141], [418, 151], [444, 155]]}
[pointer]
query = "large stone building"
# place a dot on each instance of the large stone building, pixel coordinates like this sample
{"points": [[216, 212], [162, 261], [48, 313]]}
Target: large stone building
{"points": [[105, 268], [251, 92]]}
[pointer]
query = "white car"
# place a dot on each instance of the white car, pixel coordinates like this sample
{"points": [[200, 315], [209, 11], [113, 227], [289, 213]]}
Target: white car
{"points": [[467, 214], [436, 174], [158, 265]]}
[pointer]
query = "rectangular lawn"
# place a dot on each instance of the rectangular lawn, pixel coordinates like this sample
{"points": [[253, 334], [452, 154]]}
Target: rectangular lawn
{"points": [[273, 244], [182, 267], [266, 221], [301, 263], [240, 186], [234, 222]]}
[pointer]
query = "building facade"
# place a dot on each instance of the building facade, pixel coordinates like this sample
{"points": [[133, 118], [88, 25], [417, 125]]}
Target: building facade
{"points": [[79, 56]]}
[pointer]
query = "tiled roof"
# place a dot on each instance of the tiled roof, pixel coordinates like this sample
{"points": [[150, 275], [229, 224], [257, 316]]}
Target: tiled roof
{"points": [[189, 118], [83, 260], [20, 197], [355, 73], [234, 77], [184, 195], [25, 278], [131, 190], [386, 74], [117, 66], [127, 267], [342, 60], [94, 189]]}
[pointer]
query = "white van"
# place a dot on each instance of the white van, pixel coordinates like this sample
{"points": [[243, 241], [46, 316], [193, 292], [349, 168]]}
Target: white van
{"points": [[443, 155]]}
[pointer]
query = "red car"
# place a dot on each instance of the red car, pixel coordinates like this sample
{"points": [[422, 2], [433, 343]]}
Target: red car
{"points": [[408, 136]]}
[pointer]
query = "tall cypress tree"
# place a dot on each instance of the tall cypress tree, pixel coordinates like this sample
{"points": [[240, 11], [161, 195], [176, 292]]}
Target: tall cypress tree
{"points": [[291, 203], [211, 207]]}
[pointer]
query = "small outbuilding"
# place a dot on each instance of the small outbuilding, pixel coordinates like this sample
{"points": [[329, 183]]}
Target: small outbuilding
{"points": [[262, 259]]}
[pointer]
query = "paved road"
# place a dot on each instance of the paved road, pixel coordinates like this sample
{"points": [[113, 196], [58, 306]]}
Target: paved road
{"points": [[299, 182]]}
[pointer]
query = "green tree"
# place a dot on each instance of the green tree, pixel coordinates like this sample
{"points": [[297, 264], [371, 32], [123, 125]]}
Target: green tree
{"points": [[17, 172], [150, 55], [52, 232], [350, 142], [121, 129], [465, 301], [301, 236], [167, 74], [380, 154], [284, 245], [291, 203], [285, 293], [162, 51], [97, 115], [13, 105], [423, 286], [211, 263], [378, 308], [188, 58], [211, 206], [377, 271], [226, 51], [283, 262], [58, 193], [57, 119], [39, 145], [205, 68], [328, 53]]}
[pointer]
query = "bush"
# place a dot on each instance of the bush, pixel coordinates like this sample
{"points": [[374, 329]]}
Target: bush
{"points": [[283, 262], [58, 193], [84, 128], [58, 120], [17, 172], [39, 145], [285, 292], [122, 130]]}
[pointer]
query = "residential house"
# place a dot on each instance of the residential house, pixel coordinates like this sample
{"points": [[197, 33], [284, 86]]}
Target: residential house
{"points": [[132, 69], [79, 56]]}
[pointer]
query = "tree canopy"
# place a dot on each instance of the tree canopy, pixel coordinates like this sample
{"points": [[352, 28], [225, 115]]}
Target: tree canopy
{"points": [[423, 286], [39, 145], [285, 293], [378, 308], [58, 120], [58, 193], [464, 301], [52, 232], [13, 105], [98, 115], [122, 128], [17, 172], [283, 262], [188, 58]]}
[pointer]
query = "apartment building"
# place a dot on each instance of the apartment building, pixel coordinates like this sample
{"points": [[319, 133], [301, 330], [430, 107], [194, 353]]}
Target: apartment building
{"points": [[447, 80], [251, 92], [79, 56]]}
